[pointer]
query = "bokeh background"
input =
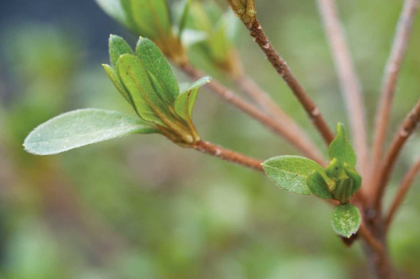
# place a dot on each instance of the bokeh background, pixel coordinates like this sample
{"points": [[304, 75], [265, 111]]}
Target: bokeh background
{"points": [[141, 207]]}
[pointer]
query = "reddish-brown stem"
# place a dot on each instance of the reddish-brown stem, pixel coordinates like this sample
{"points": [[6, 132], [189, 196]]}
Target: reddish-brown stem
{"points": [[402, 191], [285, 72], [228, 155], [391, 74], [267, 103], [405, 131], [349, 81], [370, 239], [257, 114]]}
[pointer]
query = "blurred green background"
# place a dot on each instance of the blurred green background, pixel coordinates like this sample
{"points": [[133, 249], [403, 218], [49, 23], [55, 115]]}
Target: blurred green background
{"points": [[141, 207]]}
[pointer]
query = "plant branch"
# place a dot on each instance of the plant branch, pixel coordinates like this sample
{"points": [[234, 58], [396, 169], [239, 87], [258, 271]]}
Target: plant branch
{"points": [[350, 85], [269, 105], [402, 191], [284, 71], [391, 74], [265, 119], [406, 130], [228, 155], [370, 239]]}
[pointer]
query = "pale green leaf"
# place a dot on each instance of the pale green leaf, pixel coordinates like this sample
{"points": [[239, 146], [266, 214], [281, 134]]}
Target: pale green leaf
{"points": [[117, 47], [184, 104], [115, 79], [83, 127], [137, 82], [114, 9], [156, 64], [341, 149], [291, 172], [346, 220], [184, 17], [152, 17], [191, 37], [318, 186]]}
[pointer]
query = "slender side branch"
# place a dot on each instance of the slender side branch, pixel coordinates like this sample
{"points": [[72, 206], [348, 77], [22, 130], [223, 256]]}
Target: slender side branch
{"points": [[391, 74], [265, 119], [406, 130], [228, 155], [368, 236], [402, 191], [267, 103], [350, 85], [284, 71]]}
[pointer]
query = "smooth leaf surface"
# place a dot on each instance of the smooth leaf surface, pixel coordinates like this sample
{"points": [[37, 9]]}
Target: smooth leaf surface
{"points": [[318, 186], [146, 100], [152, 17], [115, 79], [341, 149], [185, 102], [291, 172], [156, 64], [184, 17], [346, 220], [117, 47], [114, 9], [83, 127]]}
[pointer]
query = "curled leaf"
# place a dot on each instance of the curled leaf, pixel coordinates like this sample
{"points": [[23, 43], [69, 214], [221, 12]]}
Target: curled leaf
{"points": [[318, 186]]}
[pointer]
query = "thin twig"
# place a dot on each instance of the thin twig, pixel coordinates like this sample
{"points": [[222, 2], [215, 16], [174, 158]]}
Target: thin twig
{"points": [[284, 71], [406, 130], [228, 155], [373, 242], [391, 74], [265, 119], [402, 191], [350, 85], [269, 105]]}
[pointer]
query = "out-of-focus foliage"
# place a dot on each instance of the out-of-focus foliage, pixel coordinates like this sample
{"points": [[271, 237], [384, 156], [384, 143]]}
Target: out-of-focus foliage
{"points": [[141, 207]]}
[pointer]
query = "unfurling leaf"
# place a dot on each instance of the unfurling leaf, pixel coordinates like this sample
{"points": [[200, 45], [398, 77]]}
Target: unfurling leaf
{"points": [[291, 172], [147, 102], [152, 17], [83, 127], [184, 17], [153, 60], [346, 220], [117, 47], [184, 104], [341, 149], [318, 186]]}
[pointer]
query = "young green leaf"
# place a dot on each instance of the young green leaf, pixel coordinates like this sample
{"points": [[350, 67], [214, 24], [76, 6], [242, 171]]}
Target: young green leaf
{"points": [[152, 17], [117, 47], [114, 9], [83, 127], [346, 220], [355, 177], [291, 172], [115, 79], [341, 149], [184, 104], [318, 186], [146, 100], [184, 17], [155, 63]]}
